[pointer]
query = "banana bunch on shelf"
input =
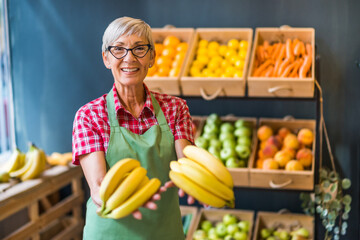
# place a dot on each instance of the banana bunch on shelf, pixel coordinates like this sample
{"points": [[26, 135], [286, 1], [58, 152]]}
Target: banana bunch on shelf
{"points": [[59, 158], [204, 177], [26, 166], [125, 188]]}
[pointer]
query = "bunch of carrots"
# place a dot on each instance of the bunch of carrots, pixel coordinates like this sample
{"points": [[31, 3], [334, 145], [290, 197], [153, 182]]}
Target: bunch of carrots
{"points": [[290, 60]]}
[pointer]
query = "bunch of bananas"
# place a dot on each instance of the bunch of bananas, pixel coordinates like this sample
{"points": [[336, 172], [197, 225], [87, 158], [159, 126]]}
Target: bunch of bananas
{"points": [[204, 177], [125, 188], [26, 166]]}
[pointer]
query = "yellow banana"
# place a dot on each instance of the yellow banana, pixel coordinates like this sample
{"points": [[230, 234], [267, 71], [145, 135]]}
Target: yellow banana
{"points": [[114, 175], [18, 173], [125, 189], [144, 181], [136, 200], [210, 162], [36, 166], [191, 188], [205, 179], [15, 162]]}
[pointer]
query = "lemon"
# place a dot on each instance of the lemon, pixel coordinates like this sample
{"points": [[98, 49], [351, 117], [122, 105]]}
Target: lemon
{"points": [[229, 53], [206, 72], [233, 44], [213, 45], [218, 72], [213, 65], [243, 45], [202, 59], [222, 50], [213, 53], [242, 54], [202, 51], [239, 64], [194, 71], [230, 71], [225, 64], [238, 74]]}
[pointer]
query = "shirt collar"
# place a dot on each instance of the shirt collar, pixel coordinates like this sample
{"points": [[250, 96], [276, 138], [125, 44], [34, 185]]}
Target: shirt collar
{"points": [[148, 102]]}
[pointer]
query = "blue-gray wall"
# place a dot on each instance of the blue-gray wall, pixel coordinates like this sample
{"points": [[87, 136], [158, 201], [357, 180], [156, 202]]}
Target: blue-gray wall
{"points": [[57, 67]]}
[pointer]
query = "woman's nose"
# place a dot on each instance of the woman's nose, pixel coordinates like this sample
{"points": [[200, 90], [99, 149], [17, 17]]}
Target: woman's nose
{"points": [[129, 56]]}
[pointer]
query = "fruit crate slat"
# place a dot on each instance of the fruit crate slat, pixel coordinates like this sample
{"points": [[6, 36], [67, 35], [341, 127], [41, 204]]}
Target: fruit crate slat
{"points": [[170, 85], [189, 210], [297, 180], [280, 86], [29, 194], [211, 87]]}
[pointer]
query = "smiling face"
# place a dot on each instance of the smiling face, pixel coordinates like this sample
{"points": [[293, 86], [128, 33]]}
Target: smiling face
{"points": [[130, 70]]}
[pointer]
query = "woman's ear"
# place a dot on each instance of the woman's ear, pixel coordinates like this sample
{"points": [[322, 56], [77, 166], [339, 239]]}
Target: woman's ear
{"points": [[152, 58], [106, 60]]}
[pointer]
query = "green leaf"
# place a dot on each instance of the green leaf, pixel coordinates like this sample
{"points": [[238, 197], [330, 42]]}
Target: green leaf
{"points": [[333, 176], [319, 209], [332, 215], [325, 184], [346, 183], [318, 199], [347, 199], [345, 216], [323, 173], [347, 208], [317, 189], [334, 187], [327, 197]]}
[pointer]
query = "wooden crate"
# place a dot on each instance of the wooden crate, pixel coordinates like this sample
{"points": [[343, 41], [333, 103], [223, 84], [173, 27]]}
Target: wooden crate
{"points": [[268, 219], [210, 88], [198, 121], [281, 87], [169, 85], [240, 175], [194, 212], [46, 219], [282, 179], [216, 215]]}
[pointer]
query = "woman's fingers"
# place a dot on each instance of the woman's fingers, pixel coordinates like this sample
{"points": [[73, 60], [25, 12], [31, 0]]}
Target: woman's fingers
{"points": [[190, 200], [137, 215], [150, 205], [156, 197], [181, 193]]}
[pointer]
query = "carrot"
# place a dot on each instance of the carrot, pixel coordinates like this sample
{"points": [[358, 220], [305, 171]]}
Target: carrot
{"points": [[283, 65], [294, 72], [282, 52], [295, 41], [288, 69], [276, 51], [266, 44], [299, 49], [276, 67], [305, 67], [268, 72], [270, 50], [308, 49], [289, 50], [261, 68]]}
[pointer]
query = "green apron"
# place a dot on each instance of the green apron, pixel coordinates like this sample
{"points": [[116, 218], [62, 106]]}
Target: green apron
{"points": [[154, 149]]}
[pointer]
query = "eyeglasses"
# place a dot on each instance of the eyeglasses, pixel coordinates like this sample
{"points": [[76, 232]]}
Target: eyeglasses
{"points": [[138, 51]]}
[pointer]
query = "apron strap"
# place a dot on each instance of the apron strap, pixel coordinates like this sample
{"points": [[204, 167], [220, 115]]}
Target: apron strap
{"points": [[160, 117]]}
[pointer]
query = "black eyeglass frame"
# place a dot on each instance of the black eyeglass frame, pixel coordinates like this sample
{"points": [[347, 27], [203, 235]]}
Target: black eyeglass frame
{"points": [[130, 49]]}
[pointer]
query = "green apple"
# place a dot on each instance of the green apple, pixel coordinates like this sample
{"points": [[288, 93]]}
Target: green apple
{"points": [[240, 123], [303, 232], [214, 150], [226, 153], [228, 237], [211, 128], [240, 235], [206, 225], [243, 140], [271, 238], [229, 143], [284, 235], [226, 135], [216, 143], [242, 131], [232, 162], [213, 118], [265, 233], [232, 228], [201, 142], [226, 127], [242, 151], [209, 136], [244, 225], [220, 229], [199, 234], [229, 218], [212, 231], [242, 163]]}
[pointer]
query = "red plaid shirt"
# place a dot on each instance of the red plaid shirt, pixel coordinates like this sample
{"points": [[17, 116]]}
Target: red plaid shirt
{"points": [[91, 128]]}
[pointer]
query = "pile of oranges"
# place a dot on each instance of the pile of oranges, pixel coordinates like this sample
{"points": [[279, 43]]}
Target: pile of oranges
{"points": [[170, 55], [219, 60]]}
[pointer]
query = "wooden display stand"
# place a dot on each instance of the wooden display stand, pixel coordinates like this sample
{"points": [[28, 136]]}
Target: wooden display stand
{"points": [[63, 220]]}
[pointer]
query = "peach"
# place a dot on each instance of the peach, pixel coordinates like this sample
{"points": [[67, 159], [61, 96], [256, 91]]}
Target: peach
{"points": [[275, 140], [294, 165], [282, 158], [260, 154], [305, 136], [269, 151], [264, 132], [270, 164], [291, 141], [305, 156], [263, 144], [283, 132], [291, 151]]}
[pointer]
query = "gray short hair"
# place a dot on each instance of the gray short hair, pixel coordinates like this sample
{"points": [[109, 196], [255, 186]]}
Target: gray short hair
{"points": [[126, 26]]}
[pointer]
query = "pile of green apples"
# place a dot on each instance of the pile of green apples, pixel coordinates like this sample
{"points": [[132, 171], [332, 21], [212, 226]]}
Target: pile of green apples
{"points": [[230, 228], [229, 141], [283, 234]]}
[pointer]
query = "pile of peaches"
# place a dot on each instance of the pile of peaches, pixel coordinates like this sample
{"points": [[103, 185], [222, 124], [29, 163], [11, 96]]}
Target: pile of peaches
{"points": [[284, 149]]}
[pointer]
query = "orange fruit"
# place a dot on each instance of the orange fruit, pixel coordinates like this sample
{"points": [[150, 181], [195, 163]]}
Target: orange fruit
{"points": [[177, 63], [174, 72], [151, 71], [159, 47], [163, 61], [180, 56], [169, 52], [182, 47], [163, 71], [171, 41]]}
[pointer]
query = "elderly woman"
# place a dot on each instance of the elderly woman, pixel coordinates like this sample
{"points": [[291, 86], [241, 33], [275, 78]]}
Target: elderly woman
{"points": [[132, 122]]}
